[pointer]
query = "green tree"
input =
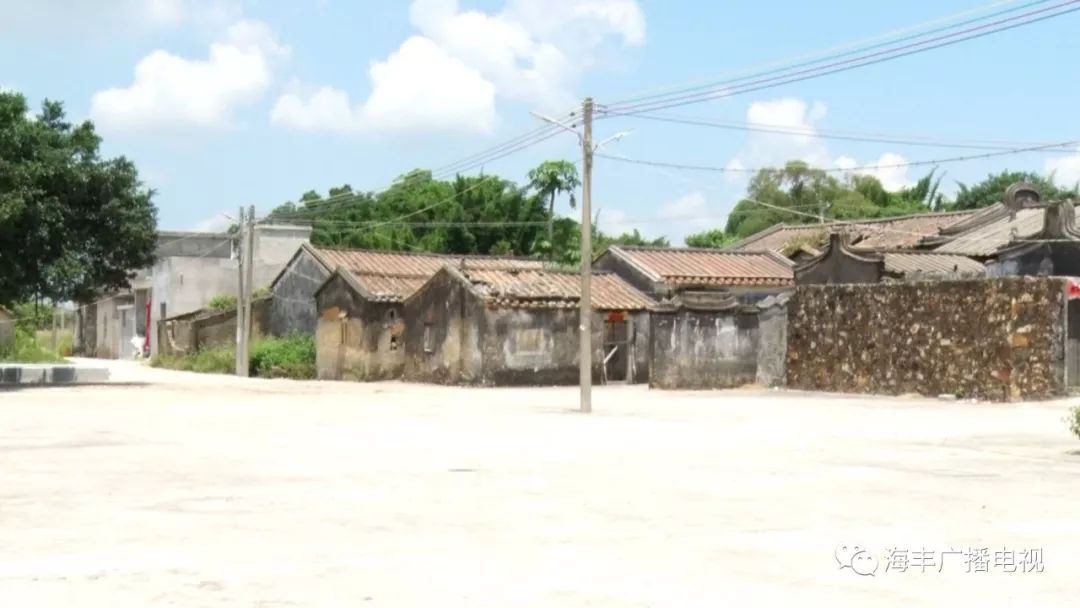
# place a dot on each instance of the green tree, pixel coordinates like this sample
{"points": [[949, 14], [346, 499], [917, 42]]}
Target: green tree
{"points": [[710, 239], [72, 223], [550, 179], [992, 189]]}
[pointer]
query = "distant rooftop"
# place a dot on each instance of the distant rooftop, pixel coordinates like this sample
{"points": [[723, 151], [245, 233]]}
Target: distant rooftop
{"points": [[684, 267]]}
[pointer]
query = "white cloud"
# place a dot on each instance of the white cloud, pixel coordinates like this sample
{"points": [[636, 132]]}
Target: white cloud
{"points": [[1066, 169], [675, 219], [799, 142], [774, 149], [171, 92], [532, 51], [220, 222], [890, 169], [418, 87], [846, 162]]}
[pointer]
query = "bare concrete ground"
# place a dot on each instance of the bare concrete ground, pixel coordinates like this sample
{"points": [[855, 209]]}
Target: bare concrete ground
{"points": [[204, 491]]}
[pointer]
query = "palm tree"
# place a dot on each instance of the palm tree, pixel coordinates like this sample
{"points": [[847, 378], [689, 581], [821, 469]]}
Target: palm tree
{"points": [[550, 179]]}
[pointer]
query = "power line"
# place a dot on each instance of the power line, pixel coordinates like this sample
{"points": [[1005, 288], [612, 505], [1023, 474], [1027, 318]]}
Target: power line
{"points": [[848, 136], [853, 63], [810, 58], [672, 165], [345, 198]]}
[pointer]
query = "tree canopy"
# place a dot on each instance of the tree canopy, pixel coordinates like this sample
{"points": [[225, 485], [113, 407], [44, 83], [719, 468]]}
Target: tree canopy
{"points": [[992, 189], [467, 215], [72, 223]]}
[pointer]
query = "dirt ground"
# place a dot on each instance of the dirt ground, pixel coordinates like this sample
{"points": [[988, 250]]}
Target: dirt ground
{"points": [[211, 491]]}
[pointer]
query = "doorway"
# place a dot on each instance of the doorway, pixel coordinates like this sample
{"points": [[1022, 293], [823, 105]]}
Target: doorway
{"points": [[1072, 344], [617, 349]]}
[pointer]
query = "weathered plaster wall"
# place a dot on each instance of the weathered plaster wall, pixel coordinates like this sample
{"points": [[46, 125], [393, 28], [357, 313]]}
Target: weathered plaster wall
{"points": [[999, 339], [210, 329], [700, 350], [357, 339], [772, 342], [293, 310], [1047, 259], [452, 318]]}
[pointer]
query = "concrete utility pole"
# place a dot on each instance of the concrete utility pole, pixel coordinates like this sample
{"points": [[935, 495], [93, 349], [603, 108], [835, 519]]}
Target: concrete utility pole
{"points": [[249, 279], [585, 362], [241, 245], [585, 324]]}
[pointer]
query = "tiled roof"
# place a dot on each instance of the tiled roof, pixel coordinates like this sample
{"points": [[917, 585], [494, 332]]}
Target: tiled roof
{"points": [[885, 233], [397, 263], [388, 288], [919, 263], [394, 275], [709, 267], [547, 289], [986, 239]]}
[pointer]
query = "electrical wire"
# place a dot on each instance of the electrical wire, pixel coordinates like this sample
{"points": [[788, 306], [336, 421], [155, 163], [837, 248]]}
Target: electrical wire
{"points": [[847, 136], [810, 58], [980, 31], [856, 169]]}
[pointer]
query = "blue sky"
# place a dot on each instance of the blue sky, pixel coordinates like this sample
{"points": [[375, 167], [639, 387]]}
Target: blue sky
{"points": [[225, 103]]}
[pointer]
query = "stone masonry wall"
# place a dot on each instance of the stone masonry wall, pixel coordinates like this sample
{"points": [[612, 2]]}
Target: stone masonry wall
{"points": [[997, 339]]}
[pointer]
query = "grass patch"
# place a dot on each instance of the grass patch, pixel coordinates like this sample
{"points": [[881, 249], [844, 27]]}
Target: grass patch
{"points": [[27, 349], [292, 357]]}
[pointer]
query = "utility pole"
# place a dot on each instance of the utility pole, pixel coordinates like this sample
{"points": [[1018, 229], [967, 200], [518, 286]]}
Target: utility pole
{"points": [[585, 327], [586, 311], [249, 278], [241, 245]]}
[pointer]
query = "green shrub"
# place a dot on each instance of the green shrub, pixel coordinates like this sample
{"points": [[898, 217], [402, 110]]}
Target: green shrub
{"points": [[292, 357], [223, 302], [262, 292], [1074, 421], [26, 349], [220, 360]]}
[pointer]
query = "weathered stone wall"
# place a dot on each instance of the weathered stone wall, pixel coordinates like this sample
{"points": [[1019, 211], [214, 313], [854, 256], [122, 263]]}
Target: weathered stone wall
{"points": [[772, 341], [703, 349], [357, 339], [997, 339], [293, 310]]}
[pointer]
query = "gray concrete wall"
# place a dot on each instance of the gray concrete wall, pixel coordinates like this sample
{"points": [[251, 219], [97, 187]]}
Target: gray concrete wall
{"points": [[357, 339], [294, 310], [186, 284], [194, 244], [700, 350], [772, 345]]}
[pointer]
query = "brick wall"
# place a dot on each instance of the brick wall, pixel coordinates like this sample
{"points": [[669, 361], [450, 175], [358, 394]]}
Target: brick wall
{"points": [[998, 339]]}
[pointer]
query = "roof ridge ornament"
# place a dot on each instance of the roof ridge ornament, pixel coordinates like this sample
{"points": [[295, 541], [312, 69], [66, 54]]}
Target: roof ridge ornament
{"points": [[1020, 195]]}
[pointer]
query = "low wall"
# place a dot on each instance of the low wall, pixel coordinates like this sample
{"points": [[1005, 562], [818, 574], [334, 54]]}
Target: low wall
{"points": [[996, 339], [205, 329], [703, 350]]}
